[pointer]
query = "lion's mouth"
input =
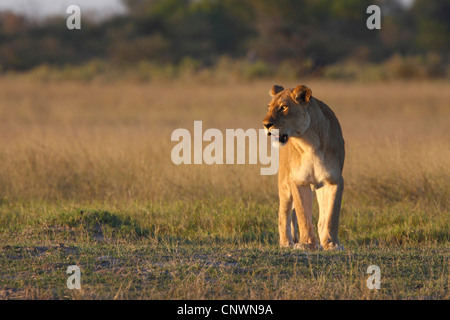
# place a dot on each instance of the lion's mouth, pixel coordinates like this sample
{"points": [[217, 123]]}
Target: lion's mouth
{"points": [[282, 139]]}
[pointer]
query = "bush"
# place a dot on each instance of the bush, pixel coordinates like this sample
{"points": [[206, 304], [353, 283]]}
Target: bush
{"points": [[258, 69], [226, 69]]}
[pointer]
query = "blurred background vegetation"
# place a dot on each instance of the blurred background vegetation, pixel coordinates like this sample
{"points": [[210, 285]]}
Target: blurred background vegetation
{"points": [[243, 39]]}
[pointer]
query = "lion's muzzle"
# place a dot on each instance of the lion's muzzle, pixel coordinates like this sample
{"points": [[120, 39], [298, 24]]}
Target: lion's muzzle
{"points": [[267, 125]]}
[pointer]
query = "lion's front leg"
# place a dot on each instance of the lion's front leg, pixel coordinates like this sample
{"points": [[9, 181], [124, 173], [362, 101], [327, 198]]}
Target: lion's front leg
{"points": [[284, 219], [329, 198], [302, 197], [285, 207]]}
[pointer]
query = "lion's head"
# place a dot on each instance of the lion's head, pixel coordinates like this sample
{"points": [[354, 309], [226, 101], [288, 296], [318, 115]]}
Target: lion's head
{"points": [[287, 112]]}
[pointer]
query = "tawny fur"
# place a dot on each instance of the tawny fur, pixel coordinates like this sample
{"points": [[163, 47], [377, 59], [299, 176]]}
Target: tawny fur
{"points": [[311, 158]]}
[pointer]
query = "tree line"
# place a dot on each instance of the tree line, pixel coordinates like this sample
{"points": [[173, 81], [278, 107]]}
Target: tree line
{"points": [[310, 34]]}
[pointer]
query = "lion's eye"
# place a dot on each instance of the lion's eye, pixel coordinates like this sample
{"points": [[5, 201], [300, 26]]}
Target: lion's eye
{"points": [[283, 108]]}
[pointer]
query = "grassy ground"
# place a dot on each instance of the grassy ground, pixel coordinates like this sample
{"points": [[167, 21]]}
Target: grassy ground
{"points": [[86, 179]]}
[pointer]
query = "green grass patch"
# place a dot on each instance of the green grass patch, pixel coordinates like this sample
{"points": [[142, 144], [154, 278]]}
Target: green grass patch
{"points": [[215, 250]]}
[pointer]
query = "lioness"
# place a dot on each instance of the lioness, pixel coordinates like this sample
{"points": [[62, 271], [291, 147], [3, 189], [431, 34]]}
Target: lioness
{"points": [[311, 154]]}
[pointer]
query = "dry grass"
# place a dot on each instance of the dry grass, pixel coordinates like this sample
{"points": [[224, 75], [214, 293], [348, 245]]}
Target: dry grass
{"points": [[86, 142]]}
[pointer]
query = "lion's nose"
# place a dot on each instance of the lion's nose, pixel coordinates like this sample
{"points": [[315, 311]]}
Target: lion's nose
{"points": [[267, 124]]}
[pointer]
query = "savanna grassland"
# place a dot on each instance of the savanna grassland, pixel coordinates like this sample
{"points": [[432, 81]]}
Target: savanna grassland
{"points": [[86, 179]]}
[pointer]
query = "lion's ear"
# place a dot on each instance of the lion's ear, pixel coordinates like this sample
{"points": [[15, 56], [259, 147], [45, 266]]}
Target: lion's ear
{"points": [[301, 94], [275, 89]]}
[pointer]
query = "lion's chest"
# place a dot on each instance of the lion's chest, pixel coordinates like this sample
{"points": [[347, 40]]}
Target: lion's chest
{"points": [[308, 166], [311, 170]]}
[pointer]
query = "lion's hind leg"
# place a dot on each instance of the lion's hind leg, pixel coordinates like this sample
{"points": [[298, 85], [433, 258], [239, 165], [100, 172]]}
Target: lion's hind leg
{"points": [[294, 227]]}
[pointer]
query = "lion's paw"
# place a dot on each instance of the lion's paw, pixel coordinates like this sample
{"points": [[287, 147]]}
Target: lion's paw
{"points": [[305, 246]]}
